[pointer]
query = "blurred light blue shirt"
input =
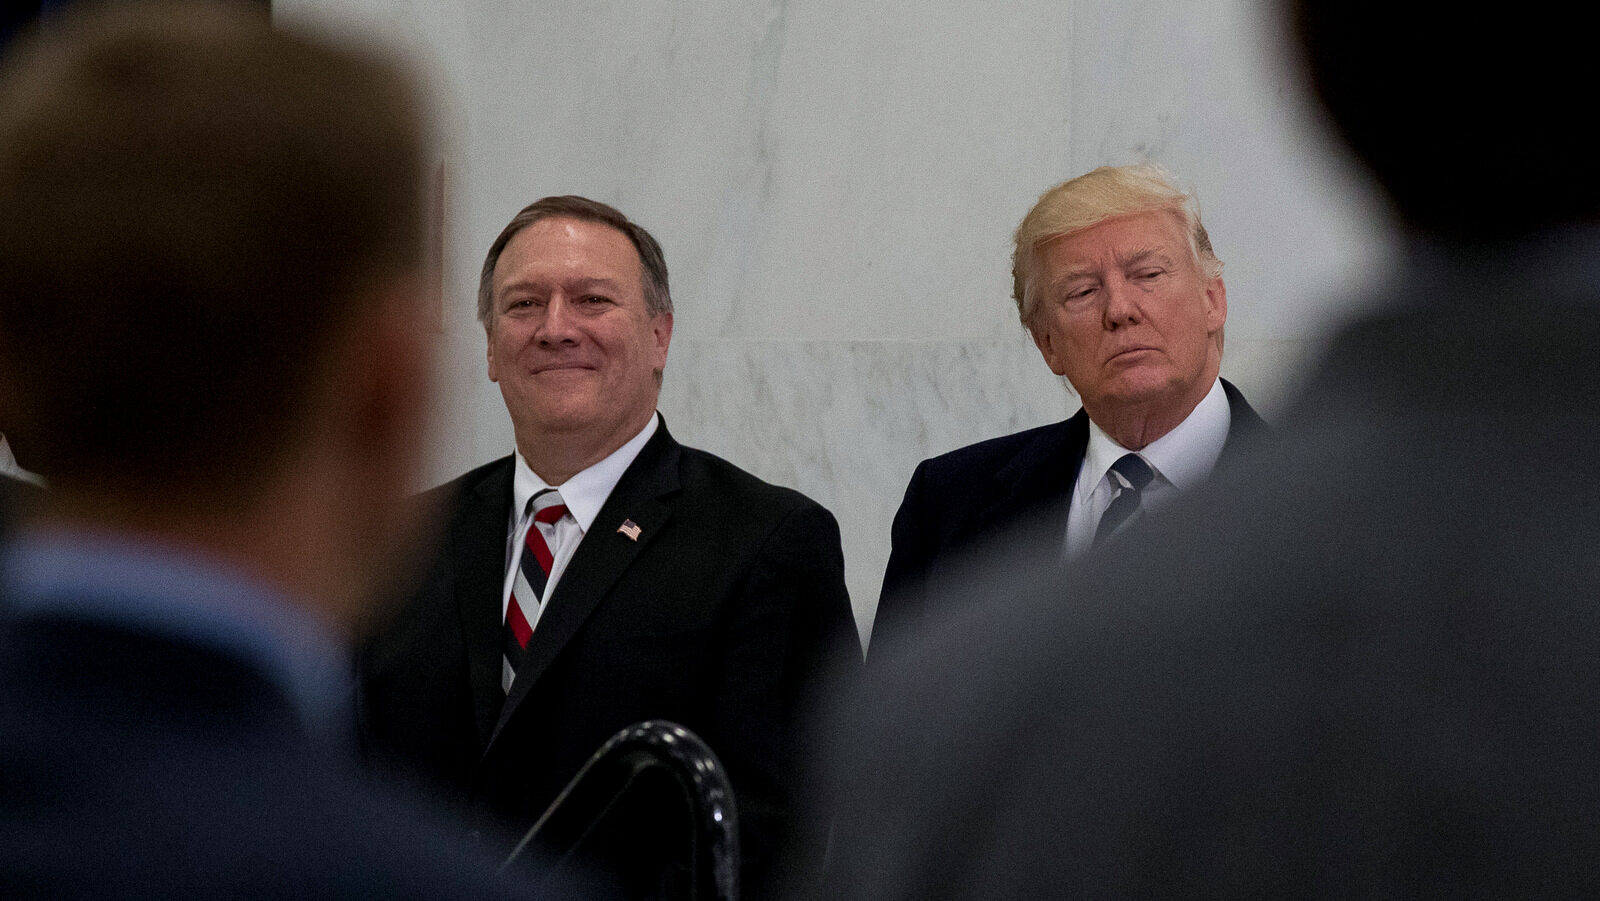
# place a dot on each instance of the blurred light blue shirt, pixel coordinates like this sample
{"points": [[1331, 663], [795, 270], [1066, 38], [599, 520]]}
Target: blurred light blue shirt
{"points": [[140, 584]]}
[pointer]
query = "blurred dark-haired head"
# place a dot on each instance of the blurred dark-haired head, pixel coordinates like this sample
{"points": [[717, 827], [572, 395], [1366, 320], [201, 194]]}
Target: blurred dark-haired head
{"points": [[192, 206], [1472, 119]]}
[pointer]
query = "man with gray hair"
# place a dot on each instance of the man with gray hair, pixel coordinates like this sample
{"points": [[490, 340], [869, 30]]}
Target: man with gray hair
{"points": [[603, 573], [1115, 279]]}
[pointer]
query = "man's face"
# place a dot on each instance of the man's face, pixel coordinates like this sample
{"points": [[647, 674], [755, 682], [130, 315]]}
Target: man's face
{"points": [[571, 345], [1124, 313]]}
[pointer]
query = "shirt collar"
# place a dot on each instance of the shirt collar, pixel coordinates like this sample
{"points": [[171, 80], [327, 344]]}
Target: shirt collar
{"points": [[1182, 457], [140, 583], [585, 493]]}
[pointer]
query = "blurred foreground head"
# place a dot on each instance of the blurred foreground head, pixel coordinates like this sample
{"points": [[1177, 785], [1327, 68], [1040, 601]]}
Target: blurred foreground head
{"points": [[1467, 119], [208, 290]]}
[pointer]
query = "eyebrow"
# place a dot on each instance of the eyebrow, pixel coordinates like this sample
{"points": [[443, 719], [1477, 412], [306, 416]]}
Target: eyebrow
{"points": [[1123, 261]]}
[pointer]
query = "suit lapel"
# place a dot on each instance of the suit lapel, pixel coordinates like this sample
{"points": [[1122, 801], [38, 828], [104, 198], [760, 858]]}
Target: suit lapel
{"points": [[602, 556], [479, 536], [1037, 483], [1245, 425]]}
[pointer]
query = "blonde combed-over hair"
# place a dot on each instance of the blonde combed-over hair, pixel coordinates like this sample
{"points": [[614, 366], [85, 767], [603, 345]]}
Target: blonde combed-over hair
{"points": [[1092, 198]]}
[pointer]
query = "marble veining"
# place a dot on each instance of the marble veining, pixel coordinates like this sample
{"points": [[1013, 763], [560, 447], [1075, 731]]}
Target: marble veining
{"points": [[835, 183]]}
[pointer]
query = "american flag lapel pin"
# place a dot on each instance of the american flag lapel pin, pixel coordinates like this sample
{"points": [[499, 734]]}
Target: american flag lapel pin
{"points": [[630, 529]]}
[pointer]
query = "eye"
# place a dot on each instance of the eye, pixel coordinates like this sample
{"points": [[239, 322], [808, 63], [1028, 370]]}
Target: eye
{"points": [[593, 299], [1149, 274]]}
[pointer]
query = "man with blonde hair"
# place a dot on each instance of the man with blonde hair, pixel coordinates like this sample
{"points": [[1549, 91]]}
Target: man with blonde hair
{"points": [[1116, 281], [1363, 665]]}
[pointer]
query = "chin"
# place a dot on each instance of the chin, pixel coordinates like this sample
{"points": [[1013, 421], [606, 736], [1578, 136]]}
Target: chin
{"points": [[1143, 390], [566, 417], [562, 425]]}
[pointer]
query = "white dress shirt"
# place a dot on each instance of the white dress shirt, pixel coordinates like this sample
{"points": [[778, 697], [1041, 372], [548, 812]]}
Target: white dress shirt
{"points": [[1181, 459], [584, 494]]}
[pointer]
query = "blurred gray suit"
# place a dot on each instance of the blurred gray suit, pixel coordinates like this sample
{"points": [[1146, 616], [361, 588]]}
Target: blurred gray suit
{"points": [[1365, 664], [1370, 660]]}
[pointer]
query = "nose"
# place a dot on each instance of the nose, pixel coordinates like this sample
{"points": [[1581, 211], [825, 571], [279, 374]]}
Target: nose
{"points": [[1122, 306], [559, 325]]}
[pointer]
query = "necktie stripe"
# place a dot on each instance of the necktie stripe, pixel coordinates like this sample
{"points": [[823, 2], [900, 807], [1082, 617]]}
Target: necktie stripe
{"points": [[517, 630], [520, 588], [541, 551], [529, 583], [533, 574]]}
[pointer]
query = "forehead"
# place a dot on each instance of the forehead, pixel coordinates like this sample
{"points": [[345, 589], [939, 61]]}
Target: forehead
{"points": [[1116, 241], [560, 249]]}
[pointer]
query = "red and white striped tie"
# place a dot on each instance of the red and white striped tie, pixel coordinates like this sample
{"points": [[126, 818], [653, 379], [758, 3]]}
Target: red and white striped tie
{"points": [[527, 589]]}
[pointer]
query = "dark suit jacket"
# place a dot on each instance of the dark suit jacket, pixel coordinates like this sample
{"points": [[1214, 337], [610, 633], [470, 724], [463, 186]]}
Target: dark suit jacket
{"points": [[992, 497], [138, 766], [1365, 666], [720, 617]]}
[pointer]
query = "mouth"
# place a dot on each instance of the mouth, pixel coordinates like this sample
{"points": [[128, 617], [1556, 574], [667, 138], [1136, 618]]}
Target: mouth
{"points": [[559, 368], [1130, 354]]}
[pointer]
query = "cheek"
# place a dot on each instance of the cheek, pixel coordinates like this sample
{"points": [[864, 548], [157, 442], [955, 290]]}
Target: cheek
{"points": [[1072, 347], [500, 349], [1197, 321], [513, 338], [1079, 333]]}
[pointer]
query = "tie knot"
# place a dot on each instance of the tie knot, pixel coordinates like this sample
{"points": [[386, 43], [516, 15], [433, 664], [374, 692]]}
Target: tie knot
{"points": [[1134, 472], [547, 506]]}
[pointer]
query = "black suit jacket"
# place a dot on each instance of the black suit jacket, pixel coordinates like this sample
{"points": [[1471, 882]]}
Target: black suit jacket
{"points": [[721, 616], [1366, 666], [139, 766], [994, 497]]}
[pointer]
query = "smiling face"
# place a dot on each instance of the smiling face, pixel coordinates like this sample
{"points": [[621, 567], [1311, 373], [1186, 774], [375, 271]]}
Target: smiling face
{"points": [[1124, 312], [577, 356]]}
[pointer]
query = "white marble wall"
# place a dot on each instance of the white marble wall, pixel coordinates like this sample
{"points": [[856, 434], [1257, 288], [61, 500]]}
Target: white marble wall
{"points": [[835, 183]]}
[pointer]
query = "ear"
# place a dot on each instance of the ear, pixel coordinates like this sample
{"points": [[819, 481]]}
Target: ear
{"points": [[1216, 300], [1049, 348], [488, 331], [661, 329]]}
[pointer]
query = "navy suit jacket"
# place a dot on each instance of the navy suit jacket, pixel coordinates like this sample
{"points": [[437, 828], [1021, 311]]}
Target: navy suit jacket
{"points": [[136, 765], [997, 496], [721, 616]]}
